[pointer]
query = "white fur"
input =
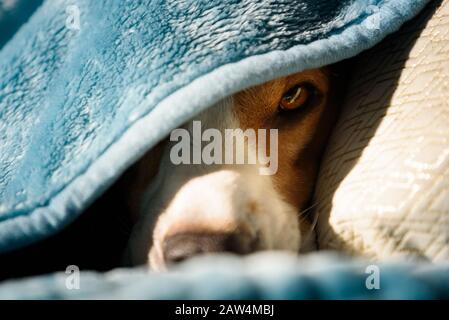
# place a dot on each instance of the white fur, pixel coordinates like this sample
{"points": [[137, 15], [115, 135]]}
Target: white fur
{"points": [[183, 197]]}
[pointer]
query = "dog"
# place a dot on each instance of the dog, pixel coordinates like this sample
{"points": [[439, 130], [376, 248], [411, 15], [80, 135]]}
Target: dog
{"points": [[185, 210]]}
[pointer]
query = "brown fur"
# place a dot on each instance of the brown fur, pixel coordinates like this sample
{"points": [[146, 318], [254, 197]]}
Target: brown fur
{"points": [[302, 133]]}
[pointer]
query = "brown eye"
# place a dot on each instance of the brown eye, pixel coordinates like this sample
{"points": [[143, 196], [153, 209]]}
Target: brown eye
{"points": [[295, 98]]}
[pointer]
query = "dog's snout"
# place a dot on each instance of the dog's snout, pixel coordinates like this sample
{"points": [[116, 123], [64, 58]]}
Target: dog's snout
{"points": [[180, 247]]}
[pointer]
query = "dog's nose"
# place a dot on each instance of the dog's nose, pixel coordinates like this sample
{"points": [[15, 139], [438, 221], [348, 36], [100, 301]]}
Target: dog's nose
{"points": [[180, 247]]}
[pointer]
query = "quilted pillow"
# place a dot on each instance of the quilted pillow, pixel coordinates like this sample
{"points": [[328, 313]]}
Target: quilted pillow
{"points": [[383, 189]]}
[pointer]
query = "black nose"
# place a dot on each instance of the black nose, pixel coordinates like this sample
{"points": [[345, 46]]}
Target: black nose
{"points": [[180, 247]]}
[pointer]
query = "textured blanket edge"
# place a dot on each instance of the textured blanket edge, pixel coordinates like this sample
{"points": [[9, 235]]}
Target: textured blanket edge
{"points": [[267, 275], [221, 82]]}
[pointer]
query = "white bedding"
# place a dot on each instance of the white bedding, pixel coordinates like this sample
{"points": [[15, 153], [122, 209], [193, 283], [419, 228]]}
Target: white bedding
{"points": [[383, 189]]}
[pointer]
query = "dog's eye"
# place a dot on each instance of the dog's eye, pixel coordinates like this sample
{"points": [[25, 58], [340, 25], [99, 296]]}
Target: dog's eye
{"points": [[295, 98]]}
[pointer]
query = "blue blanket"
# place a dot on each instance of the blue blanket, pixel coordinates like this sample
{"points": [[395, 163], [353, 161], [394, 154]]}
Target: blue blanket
{"points": [[87, 87], [261, 276]]}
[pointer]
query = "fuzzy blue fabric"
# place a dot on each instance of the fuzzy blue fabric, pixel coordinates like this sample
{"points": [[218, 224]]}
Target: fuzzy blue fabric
{"points": [[80, 103], [261, 276], [13, 13]]}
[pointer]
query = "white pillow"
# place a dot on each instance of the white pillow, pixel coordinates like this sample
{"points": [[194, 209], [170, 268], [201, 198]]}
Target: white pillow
{"points": [[383, 188]]}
